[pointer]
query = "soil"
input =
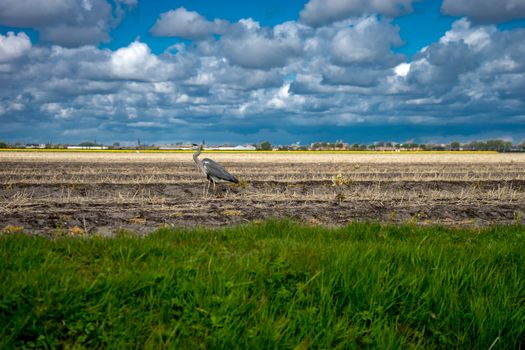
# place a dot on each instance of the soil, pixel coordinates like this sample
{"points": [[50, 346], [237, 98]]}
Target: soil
{"points": [[56, 198]]}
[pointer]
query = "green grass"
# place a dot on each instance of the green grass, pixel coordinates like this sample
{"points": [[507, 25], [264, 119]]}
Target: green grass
{"points": [[273, 285]]}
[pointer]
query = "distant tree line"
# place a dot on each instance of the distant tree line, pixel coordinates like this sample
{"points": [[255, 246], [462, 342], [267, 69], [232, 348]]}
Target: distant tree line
{"points": [[489, 145]]}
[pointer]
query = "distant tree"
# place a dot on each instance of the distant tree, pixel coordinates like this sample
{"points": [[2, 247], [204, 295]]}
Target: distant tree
{"points": [[498, 145], [455, 146], [266, 146], [87, 144], [523, 145], [478, 146], [493, 145], [355, 146], [3, 144], [339, 144]]}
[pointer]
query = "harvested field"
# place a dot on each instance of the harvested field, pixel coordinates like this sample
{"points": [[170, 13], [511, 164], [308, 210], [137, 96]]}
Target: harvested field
{"points": [[60, 193]]}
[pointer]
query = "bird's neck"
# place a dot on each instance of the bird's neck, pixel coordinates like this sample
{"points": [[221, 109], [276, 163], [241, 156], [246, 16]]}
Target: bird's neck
{"points": [[196, 154], [198, 161]]}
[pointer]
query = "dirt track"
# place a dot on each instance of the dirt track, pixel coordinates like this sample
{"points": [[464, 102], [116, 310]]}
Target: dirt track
{"points": [[55, 194]]}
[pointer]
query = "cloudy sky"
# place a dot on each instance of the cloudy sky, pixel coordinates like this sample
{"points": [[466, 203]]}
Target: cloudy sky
{"points": [[247, 71]]}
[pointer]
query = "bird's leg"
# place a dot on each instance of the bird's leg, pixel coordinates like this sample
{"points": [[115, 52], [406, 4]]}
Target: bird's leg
{"points": [[214, 190], [207, 189]]}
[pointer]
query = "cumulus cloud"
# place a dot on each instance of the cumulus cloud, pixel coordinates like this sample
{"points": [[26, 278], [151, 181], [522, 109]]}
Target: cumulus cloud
{"points": [[255, 81], [485, 11], [137, 62], [31, 13], [322, 12], [402, 69], [130, 3], [250, 46], [352, 76], [369, 41], [470, 74], [245, 43], [133, 62], [63, 22], [476, 37], [225, 77], [13, 46], [187, 24], [462, 50]]}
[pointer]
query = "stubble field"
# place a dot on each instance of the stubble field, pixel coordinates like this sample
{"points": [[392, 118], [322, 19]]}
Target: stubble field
{"points": [[61, 193]]}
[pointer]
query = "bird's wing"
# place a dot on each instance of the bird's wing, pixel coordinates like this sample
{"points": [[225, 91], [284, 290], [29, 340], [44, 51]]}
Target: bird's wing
{"points": [[216, 170]]}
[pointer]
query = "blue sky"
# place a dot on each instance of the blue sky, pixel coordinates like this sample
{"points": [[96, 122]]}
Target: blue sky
{"points": [[243, 72]]}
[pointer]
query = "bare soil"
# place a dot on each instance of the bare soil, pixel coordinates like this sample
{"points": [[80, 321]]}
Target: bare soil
{"points": [[57, 195]]}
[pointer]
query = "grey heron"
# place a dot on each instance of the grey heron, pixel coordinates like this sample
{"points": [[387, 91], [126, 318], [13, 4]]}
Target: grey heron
{"points": [[213, 171]]}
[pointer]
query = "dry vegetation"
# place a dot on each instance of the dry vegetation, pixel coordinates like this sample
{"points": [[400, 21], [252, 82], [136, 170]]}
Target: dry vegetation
{"points": [[65, 193]]}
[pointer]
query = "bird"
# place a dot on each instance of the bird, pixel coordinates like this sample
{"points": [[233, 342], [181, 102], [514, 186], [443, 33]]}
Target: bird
{"points": [[214, 172]]}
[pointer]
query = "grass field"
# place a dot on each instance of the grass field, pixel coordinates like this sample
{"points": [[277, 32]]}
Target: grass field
{"points": [[269, 285]]}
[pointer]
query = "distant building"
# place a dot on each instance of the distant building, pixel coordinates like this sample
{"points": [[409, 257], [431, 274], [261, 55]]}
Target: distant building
{"points": [[232, 148], [177, 146], [87, 147], [35, 145]]}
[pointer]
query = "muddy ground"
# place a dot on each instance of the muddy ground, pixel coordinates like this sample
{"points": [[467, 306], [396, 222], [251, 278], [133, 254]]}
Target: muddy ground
{"points": [[61, 197]]}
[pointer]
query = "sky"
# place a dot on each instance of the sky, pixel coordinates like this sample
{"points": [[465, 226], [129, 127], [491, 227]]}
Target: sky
{"points": [[231, 71]]}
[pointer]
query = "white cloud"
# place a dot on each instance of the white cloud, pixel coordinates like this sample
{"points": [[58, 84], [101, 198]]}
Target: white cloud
{"points": [[402, 69], [250, 46], [280, 98], [187, 24], [245, 43], [65, 22], [13, 46], [31, 13], [134, 62], [286, 79], [147, 125], [485, 11], [323, 12], [369, 40], [477, 37], [129, 2], [57, 111]]}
